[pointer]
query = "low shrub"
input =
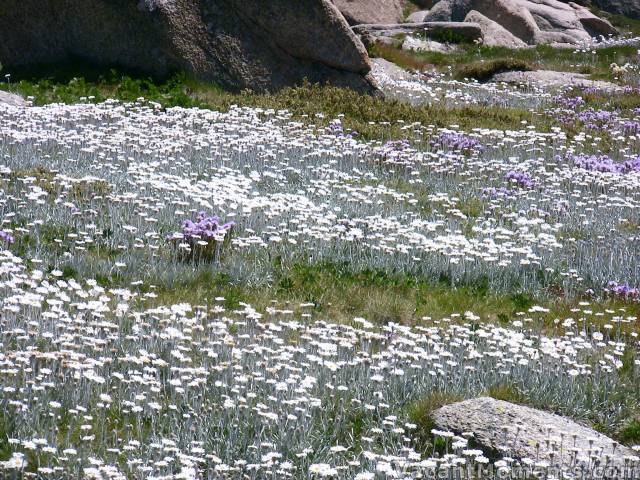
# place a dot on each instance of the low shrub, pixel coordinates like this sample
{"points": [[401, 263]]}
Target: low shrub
{"points": [[485, 70]]}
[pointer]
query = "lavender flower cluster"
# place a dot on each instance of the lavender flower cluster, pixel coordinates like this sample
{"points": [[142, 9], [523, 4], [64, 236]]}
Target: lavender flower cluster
{"points": [[336, 128], [631, 127], [522, 179], [6, 237], [605, 164], [203, 236], [456, 141], [393, 149], [204, 228], [571, 103], [623, 291], [396, 145]]}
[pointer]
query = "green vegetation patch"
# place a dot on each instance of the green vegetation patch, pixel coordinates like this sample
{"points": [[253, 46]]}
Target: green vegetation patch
{"points": [[372, 117]]}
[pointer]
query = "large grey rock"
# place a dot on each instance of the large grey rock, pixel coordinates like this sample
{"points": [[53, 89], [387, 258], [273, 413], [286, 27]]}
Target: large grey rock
{"points": [[555, 80], [554, 17], [12, 99], [521, 432], [371, 11], [512, 15], [385, 71], [494, 34], [417, 17], [236, 43], [414, 44], [532, 21], [449, 11]]}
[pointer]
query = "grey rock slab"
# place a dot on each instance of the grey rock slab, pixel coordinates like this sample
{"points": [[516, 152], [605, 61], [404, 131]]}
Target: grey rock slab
{"points": [[555, 80], [418, 45], [385, 71], [494, 34], [522, 432], [12, 99], [417, 17], [370, 11]]}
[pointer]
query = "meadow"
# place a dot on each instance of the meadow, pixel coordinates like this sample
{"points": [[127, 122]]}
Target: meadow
{"points": [[198, 284]]}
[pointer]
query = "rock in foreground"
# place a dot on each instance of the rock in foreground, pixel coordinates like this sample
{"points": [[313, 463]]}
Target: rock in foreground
{"points": [[238, 44], [522, 432]]}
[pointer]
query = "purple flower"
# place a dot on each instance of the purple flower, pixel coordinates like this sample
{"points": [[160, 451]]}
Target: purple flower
{"points": [[205, 228], [455, 141], [393, 150], [493, 192], [623, 291], [5, 237], [522, 179], [396, 145], [590, 90], [571, 103], [597, 119], [336, 128], [631, 127], [605, 164]]}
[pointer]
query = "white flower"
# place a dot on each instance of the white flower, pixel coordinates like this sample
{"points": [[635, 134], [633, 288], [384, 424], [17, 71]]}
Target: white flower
{"points": [[323, 470], [16, 462]]}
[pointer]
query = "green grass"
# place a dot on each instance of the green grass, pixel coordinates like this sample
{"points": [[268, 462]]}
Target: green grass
{"points": [[597, 64], [484, 70], [6, 432], [421, 413], [612, 102], [630, 433], [508, 393], [340, 294], [371, 117]]}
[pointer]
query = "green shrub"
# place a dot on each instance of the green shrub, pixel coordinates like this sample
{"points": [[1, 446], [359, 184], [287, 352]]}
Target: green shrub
{"points": [[630, 433], [483, 70]]}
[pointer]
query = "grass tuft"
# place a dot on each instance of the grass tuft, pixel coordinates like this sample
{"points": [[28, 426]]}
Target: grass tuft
{"points": [[421, 414], [484, 70], [373, 118]]}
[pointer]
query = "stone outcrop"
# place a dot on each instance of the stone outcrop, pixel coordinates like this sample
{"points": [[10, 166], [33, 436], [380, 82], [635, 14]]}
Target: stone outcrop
{"points": [[532, 21], [549, 79], [521, 432], [371, 11], [494, 34], [12, 99], [419, 45], [239, 44], [417, 17]]}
